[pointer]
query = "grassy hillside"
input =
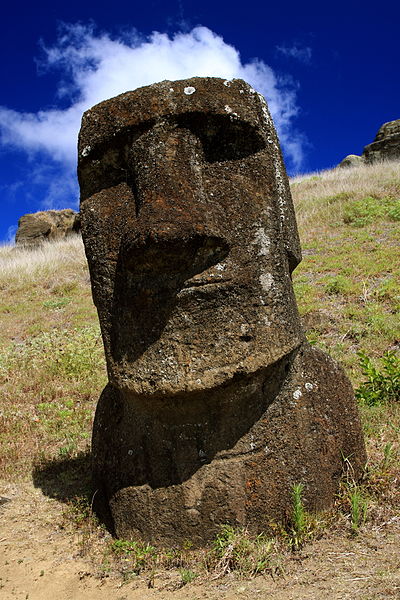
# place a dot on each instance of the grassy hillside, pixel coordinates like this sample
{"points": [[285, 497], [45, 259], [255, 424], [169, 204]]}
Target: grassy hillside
{"points": [[348, 285], [348, 289], [51, 356]]}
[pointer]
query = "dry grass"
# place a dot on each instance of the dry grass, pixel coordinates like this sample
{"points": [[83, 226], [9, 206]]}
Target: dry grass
{"points": [[43, 289], [53, 263], [321, 195], [376, 178]]}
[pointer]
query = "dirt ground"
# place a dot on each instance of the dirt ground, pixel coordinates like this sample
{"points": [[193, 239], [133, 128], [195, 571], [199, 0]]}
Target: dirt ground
{"points": [[42, 559]]}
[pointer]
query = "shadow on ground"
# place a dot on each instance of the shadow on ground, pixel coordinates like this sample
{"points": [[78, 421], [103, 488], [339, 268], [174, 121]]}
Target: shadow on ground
{"points": [[65, 478], [69, 480]]}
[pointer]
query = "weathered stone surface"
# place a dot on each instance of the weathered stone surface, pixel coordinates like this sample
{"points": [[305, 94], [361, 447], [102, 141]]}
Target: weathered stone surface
{"points": [[352, 160], [35, 228], [386, 144], [215, 405]]}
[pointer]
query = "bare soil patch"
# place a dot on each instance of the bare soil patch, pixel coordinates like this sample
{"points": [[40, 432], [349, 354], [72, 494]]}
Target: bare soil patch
{"points": [[42, 557]]}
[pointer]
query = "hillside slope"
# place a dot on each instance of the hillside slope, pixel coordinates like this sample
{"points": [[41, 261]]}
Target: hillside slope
{"points": [[348, 284], [52, 372]]}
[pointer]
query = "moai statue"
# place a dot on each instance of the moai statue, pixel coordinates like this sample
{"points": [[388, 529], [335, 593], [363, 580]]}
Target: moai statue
{"points": [[215, 404]]}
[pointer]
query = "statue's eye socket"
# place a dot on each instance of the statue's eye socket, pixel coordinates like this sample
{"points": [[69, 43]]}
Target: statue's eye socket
{"points": [[106, 166], [223, 137]]}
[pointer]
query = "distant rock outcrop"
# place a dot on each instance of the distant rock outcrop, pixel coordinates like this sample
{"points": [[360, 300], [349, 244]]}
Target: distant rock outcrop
{"points": [[352, 160], [386, 143], [35, 228]]}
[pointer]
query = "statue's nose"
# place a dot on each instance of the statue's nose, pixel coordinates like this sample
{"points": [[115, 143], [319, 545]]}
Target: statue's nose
{"points": [[174, 229], [166, 166]]}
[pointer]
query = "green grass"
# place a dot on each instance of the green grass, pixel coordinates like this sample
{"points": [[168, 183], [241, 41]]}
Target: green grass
{"points": [[368, 210], [348, 292], [50, 384]]}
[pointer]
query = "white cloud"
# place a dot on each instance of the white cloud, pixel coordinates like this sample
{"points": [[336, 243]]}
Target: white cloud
{"points": [[10, 234], [96, 67], [301, 53], [52, 131]]}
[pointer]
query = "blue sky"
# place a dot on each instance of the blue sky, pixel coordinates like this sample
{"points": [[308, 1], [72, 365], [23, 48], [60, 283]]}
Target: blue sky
{"points": [[330, 72]]}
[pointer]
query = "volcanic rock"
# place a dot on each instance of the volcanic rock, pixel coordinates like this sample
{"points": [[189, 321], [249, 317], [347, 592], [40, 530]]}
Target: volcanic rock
{"points": [[352, 160], [35, 228], [216, 405], [386, 144]]}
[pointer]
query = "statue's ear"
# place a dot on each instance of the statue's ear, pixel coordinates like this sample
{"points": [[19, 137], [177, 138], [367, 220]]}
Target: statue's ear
{"points": [[285, 208], [288, 222]]}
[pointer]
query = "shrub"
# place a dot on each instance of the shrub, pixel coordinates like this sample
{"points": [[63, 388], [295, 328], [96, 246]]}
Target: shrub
{"points": [[381, 385]]}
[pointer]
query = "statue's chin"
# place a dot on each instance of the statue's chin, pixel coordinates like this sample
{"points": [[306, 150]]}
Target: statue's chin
{"points": [[149, 379], [237, 389]]}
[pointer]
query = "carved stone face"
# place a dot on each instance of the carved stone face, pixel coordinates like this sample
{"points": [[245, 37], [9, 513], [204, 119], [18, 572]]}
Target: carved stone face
{"points": [[190, 235]]}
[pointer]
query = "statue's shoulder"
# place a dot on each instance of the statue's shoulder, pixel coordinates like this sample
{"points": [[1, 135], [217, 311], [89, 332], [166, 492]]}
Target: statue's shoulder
{"points": [[317, 385], [316, 370]]}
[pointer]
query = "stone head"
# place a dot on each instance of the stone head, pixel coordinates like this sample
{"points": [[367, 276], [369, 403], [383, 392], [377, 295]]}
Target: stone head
{"points": [[190, 235]]}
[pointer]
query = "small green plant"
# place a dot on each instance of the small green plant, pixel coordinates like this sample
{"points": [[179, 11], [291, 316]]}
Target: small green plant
{"points": [[359, 507], [140, 556], [79, 511], [313, 337], [394, 213], [388, 454], [298, 531], [353, 497], [57, 303], [388, 289], [381, 385], [382, 472], [337, 285], [68, 450], [73, 353], [187, 576]]}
